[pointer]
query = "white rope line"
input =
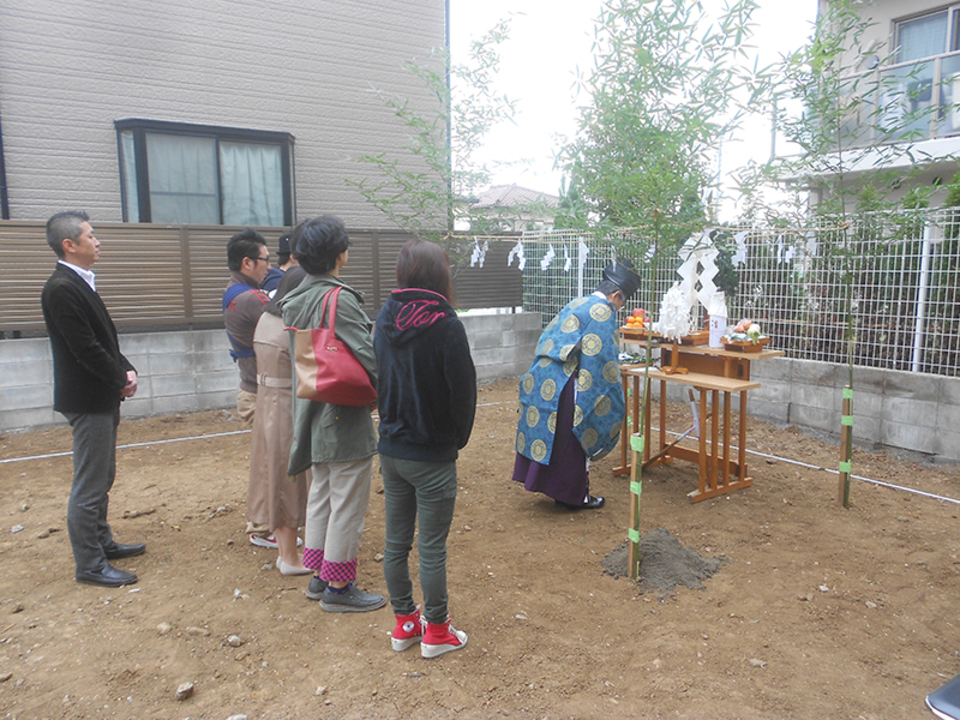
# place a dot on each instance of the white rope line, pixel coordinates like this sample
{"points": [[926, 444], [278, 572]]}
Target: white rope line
{"points": [[837, 472], [491, 404], [160, 442], [126, 447]]}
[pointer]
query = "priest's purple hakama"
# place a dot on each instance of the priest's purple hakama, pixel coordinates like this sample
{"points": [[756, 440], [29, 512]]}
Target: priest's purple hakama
{"points": [[567, 477]]}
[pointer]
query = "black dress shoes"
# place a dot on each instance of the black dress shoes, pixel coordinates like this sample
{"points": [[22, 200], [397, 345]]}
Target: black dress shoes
{"points": [[107, 576], [590, 503], [593, 503], [118, 551]]}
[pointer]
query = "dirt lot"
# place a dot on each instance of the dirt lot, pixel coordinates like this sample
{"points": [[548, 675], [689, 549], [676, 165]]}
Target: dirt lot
{"points": [[816, 611]]}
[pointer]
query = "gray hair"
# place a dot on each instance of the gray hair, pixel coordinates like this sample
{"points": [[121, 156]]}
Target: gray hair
{"points": [[65, 226]]}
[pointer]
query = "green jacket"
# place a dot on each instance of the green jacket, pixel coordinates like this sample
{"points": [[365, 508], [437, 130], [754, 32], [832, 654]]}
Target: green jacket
{"points": [[324, 433]]}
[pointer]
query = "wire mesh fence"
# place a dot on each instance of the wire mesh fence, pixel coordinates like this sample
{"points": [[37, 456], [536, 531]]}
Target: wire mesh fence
{"points": [[889, 281]]}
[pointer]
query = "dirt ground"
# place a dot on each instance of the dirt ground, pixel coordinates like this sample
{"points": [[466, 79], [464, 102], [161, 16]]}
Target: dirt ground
{"points": [[815, 610]]}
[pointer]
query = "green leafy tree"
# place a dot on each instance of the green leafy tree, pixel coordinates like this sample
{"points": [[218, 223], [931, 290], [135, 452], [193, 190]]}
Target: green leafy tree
{"points": [[666, 87], [426, 197], [855, 118]]}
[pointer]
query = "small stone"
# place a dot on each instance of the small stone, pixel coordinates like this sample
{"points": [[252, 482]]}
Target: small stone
{"points": [[824, 588], [871, 605], [378, 557], [230, 541], [5, 676], [321, 690], [17, 607], [193, 630], [234, 641], [237, 717], [164, 628], [24, 507], [806, 597], [467, 528], [754, 662], [185, 690], [15, 529], [43, 535]]}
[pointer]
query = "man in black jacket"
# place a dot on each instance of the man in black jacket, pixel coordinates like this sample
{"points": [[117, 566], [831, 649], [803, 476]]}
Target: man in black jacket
{"points": [[90, 379]]}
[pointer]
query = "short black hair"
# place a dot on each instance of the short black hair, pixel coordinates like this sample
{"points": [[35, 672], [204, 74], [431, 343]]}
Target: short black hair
{"points": [[608, 287], [245, 244], [318, 243], [64, 226]]}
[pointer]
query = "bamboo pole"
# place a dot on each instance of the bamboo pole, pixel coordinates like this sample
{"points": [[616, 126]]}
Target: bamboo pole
{"points": [[633, 532], [846, 446]]}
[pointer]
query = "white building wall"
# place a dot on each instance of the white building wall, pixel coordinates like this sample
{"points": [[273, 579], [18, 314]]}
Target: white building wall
{"points": [[69, 68]]}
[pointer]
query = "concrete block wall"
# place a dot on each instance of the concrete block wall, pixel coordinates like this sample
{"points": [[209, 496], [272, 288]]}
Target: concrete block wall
{"points": [[189, 371], [192, 370]]}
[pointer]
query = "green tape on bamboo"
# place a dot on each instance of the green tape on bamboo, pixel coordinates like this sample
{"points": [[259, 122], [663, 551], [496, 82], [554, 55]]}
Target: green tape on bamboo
{"points": [[846, 420], [846, 467], [634, 535], [848, 393], [636, 487], [636, 443]]}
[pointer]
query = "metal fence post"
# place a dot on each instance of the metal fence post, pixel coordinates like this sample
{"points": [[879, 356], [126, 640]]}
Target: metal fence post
{"points": [[922, 289]]}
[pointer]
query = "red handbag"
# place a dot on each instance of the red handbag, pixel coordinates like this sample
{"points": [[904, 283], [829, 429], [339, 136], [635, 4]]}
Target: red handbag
{"points": [[326, 369]]}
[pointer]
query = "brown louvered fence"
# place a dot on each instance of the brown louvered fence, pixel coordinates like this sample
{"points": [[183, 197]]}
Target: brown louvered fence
{"points": [[172, 276]]}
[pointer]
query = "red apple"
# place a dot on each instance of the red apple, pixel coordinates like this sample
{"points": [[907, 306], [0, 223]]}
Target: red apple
{"points": [[638, 312]]}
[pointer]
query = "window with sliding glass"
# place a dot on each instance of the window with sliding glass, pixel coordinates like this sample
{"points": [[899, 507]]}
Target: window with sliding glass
{"points": [[207, 175]]}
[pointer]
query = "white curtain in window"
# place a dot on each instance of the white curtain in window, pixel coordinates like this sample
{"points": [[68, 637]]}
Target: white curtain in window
{"points": [[128, 165], [922, 37], [252, 183], [183, 179]]}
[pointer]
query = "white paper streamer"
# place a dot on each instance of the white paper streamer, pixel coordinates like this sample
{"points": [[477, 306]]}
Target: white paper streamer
{"points": [[516, 252], [583, 252], [548, 258], [479, 255], [566, 260], [740, 256]]}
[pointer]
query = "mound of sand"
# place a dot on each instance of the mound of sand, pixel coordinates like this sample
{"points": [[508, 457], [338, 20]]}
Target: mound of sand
{"points": [[664, 563]]}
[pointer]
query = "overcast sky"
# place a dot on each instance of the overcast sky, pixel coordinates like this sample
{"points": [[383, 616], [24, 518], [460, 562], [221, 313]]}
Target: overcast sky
{"points": [[549, 41]]}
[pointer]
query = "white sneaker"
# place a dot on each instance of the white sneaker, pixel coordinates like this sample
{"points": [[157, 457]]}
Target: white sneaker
{"points": [[269, 541]]}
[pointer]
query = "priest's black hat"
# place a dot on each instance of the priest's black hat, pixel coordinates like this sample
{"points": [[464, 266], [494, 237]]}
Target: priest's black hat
{"points": [[622, 274]]}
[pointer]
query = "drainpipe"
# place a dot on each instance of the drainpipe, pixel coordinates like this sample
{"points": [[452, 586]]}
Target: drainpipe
{"points": [[4, 202]]}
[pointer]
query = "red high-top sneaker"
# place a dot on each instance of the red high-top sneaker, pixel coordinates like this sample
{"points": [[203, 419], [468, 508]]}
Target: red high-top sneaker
{"points": [[441, 638], [409, 631]]}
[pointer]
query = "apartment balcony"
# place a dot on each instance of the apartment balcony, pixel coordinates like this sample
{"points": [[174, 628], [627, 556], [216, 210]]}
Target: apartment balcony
{"points": [[911, 102]]}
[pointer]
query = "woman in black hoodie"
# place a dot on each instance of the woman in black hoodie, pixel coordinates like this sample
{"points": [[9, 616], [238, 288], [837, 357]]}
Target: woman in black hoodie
{"points": [[427, 395]]}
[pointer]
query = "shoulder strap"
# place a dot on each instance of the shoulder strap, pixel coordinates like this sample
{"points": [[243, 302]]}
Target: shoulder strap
{"points": [[232, 292], [330, 297], [229, 295]]}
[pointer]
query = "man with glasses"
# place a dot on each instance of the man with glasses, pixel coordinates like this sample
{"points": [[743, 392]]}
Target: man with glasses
{"points": [[243, 301]]}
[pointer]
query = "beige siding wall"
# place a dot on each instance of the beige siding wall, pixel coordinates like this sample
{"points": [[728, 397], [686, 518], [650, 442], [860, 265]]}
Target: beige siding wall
{"points": [[881, 14], [69, 68]]}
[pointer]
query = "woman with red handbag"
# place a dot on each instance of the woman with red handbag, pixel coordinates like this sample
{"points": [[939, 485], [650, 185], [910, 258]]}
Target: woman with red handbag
{"points": [[428, 396], [336, 440]]}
